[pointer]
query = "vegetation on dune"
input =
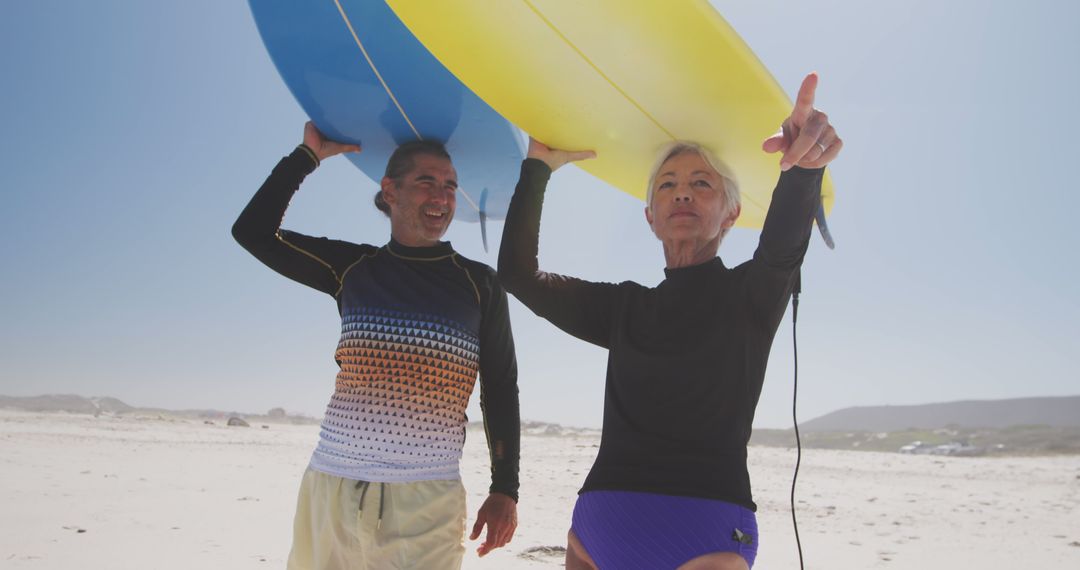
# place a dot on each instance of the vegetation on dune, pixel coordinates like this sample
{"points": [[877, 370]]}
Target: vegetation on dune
{"points": [[1010, 441]]}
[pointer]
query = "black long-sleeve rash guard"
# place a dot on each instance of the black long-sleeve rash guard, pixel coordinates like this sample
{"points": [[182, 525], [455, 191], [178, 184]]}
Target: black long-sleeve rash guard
{"points": [[686, 359], [417, 325]]}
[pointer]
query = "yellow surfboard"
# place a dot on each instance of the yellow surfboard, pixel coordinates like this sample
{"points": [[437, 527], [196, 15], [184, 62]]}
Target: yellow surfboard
{"points": [[621, 77]]}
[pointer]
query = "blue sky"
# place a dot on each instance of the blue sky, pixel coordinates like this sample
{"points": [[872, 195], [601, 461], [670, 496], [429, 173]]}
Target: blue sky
{"points": [[138, 130]]}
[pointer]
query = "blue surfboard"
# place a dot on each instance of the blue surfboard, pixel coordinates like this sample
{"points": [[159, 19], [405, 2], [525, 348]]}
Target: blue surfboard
{"points": [[363, 78]]}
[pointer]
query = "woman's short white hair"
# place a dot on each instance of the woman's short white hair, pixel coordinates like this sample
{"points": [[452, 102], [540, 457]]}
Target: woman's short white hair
{"points": [[732, 199]]}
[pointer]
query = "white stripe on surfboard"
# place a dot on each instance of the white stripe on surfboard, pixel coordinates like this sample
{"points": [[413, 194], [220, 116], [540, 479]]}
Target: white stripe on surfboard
{"points": [[386, 88]]}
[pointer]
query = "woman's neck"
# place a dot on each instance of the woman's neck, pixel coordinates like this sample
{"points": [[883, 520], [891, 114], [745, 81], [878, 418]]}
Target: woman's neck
{"points": [[690, 252]]}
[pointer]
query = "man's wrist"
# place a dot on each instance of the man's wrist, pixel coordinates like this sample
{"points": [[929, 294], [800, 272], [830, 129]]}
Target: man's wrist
{"points": [[310, 152], [511, 495]]}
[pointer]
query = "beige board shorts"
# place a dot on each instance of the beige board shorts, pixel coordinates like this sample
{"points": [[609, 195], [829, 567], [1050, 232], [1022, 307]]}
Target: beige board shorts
{"points": [[422, 525]]}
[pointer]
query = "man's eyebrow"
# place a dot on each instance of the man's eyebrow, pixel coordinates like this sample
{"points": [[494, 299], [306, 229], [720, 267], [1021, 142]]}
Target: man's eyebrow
{"points": [[430, 178]]}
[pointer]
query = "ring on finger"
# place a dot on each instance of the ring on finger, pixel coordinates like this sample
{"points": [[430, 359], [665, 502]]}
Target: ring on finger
{"points": [[824, 147]]}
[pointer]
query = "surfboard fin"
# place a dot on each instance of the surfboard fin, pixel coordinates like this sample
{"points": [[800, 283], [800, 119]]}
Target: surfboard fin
{"points": [[483, 218], [822, 226]]}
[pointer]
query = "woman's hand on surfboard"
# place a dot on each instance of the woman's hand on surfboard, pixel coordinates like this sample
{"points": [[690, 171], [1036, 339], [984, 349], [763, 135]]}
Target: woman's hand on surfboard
{"points": [[324, 148], [555, 158], [806, 138]]}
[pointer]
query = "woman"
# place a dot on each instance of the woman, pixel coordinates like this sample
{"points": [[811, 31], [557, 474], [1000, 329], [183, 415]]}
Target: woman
{"points": [[669, 488]]}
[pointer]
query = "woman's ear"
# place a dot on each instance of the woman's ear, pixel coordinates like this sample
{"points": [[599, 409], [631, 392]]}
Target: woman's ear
{"points": [[730, 219]]}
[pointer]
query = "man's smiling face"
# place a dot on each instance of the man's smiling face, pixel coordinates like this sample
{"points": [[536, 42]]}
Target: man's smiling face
{"points": [[422, 201]]}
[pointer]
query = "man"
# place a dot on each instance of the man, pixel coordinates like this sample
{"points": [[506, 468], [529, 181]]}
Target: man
{"points": [[419, 321]]}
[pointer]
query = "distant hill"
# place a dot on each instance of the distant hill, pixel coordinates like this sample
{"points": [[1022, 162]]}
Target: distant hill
{"points": [[546, 429], [65, 403], [1010, 441], [1061, 411], [72, 404]]}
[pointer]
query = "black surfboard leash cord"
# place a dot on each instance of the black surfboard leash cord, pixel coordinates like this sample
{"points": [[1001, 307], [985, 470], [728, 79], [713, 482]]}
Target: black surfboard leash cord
{"points": [[794, 408]]}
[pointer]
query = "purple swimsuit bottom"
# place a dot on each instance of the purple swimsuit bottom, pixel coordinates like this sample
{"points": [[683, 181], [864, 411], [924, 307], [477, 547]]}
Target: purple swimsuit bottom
{"points": [[627, 530]]}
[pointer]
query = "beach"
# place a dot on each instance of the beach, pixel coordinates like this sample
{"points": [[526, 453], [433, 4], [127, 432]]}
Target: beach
{"points": [[162, 492]]}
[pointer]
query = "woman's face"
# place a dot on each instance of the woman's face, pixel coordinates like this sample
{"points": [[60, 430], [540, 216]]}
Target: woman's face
{"points": [[688, 201]]}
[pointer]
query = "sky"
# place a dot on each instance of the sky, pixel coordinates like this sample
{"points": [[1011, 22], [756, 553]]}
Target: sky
{"points": [[137, 131]]}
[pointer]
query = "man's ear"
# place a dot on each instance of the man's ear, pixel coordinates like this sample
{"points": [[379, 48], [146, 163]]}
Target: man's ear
{"points": [[648, 215], [389, 189]]}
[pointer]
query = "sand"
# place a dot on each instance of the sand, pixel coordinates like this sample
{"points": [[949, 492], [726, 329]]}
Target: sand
{"points": [[160, 493]]}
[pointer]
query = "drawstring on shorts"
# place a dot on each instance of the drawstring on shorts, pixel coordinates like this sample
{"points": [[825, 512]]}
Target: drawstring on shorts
{"points": [[382, 499]]}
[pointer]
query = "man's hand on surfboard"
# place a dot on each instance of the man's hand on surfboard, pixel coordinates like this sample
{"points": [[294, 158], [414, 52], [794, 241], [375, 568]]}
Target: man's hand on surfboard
{"points": [[555, 158], [806, 138], [324, 148]]}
